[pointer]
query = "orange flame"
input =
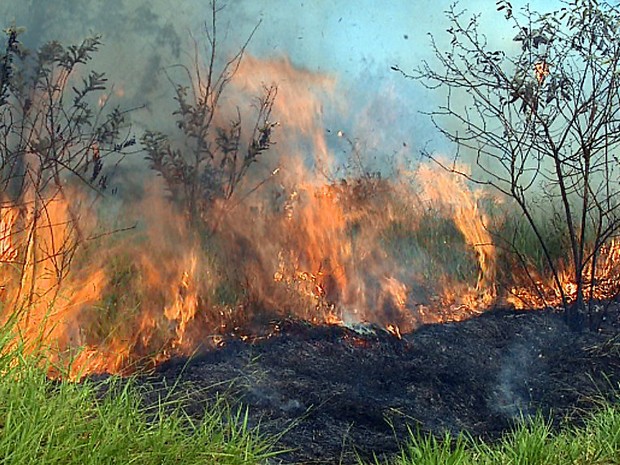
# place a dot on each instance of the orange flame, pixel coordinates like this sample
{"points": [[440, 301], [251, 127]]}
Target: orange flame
{"points": [[303, 245], [451, 192]]}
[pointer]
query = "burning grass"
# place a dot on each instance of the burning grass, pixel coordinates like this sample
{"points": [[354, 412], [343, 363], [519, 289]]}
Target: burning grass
{"points": [[226, 241], [397, 253], [345, 252]]}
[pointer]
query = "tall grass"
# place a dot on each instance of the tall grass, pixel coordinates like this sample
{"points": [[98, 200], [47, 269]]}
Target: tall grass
{"points": [[43, 421], [435, 248]]}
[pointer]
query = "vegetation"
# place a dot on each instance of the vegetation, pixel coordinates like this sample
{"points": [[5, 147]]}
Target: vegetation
{"points": [[540, 119], [212, 159], [47, 422], [55, 134], [60, 422], [533, 443], [51, 422]]}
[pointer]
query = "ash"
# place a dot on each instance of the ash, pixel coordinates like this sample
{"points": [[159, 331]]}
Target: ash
{"points": [[339, 392]]}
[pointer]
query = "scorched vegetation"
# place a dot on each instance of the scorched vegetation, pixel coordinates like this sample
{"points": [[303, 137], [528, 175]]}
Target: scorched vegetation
{"points": [[539, 118], [341, 309]]}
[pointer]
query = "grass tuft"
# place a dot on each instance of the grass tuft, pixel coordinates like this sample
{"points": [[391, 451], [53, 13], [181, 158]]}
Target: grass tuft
{"points": [[44, 421], [533, 442]]}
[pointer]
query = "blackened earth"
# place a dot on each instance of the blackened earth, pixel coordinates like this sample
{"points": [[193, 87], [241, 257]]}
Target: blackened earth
{"points": [[339, 393]]}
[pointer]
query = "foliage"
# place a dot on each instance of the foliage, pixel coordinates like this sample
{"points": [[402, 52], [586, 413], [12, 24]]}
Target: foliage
{"points": [[54, 135], [532, 442], [47, 115], [50, 422], [212, 159]]}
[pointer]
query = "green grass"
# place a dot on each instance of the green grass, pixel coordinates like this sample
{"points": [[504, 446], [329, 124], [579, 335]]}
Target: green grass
{"points": [[533, 443], [436, 248], [58, 422]]}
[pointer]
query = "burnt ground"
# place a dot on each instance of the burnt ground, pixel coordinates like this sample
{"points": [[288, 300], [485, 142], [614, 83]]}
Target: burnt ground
{"points": [[336, 392]]}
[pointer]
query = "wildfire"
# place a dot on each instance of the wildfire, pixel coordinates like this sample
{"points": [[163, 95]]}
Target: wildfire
{"points": [[450, 191], [357, 250], [603, 286], [320, 257]]}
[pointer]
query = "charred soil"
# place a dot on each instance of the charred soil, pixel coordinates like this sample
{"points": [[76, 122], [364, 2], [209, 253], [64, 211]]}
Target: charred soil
{"points": [[338, 393]]}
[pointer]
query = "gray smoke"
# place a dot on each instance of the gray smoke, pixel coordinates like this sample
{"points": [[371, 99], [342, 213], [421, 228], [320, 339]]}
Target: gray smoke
{"points": [[354, 41]]}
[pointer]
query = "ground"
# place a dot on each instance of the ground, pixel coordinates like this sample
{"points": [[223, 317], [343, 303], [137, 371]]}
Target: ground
{"points": [[336, 392]]}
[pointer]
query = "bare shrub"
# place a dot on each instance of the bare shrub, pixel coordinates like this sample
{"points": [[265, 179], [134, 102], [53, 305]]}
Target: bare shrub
{"points": [[540, 119], [212, 158]]}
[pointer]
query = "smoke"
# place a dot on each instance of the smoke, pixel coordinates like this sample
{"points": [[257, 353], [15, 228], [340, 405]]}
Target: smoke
{"points": [[523, 366], [319, 243], [513, 397], [353, 42]]}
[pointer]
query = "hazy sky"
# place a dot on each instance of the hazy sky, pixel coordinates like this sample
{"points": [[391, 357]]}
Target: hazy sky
{"points": [[353, 41]]}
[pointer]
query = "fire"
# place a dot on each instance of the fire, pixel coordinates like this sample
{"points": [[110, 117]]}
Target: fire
{"points": [[457, 200], [60, 286], [541, 69], [394, 331], [603, 286], [8, 253], [317, 253], [295, 241], [40, 288], [185, 306], [333, 319]]}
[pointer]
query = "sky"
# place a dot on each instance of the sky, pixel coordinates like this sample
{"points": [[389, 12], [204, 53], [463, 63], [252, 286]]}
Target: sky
{"points": [[354, 42]]}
